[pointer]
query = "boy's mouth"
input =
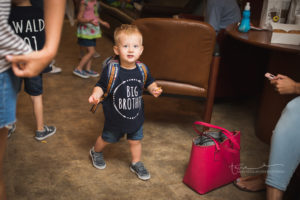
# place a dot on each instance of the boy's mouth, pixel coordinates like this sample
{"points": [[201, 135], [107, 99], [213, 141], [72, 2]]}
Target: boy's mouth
{"points": [[129, 56]]}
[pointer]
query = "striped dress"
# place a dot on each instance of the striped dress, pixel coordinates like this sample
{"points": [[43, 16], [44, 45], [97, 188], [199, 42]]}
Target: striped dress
{"points": [[10, 43]]}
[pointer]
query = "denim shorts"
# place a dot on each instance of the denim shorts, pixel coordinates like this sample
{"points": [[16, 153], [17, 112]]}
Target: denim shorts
{"points": [[112, 137], [9, 86], [34, 86], [87, 42]]}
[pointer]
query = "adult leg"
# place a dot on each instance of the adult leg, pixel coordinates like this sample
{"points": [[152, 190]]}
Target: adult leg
{"points": [[251, 183], [9, 86], [274, 193], [3, 138], [37, 102], [285, 150]]}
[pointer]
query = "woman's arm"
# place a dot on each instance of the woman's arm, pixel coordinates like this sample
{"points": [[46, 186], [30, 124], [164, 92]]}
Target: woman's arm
{"points": [[35, 62], [285, 85]]}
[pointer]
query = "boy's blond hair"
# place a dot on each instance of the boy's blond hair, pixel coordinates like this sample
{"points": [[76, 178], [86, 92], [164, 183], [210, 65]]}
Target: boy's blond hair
{"points": [[127, 29]]}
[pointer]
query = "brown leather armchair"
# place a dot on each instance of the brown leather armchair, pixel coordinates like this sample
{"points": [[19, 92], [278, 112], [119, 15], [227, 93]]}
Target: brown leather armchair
{"points": [[180, 55], [151, 8]]}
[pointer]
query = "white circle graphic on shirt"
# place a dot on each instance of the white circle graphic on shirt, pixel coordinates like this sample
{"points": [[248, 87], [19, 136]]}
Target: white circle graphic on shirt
{"points": [[132, 102]]}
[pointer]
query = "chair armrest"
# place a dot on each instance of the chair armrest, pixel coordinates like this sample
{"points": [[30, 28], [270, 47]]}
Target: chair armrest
{"points": [[191, 16]]}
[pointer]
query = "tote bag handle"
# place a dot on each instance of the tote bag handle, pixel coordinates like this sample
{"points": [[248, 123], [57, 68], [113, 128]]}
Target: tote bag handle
{"points": [[201, 133], [226, 132]]}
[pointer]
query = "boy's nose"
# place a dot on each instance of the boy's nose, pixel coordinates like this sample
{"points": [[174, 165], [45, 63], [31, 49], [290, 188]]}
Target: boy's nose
{"points": [[130, 49]]}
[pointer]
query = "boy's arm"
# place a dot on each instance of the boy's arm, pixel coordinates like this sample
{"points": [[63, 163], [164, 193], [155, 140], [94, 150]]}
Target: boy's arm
{"points": [[154, 89], [35, 62], [96, 95]]}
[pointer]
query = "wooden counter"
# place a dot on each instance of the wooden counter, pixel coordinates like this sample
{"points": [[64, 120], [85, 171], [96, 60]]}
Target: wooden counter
{"points": [[283, 59]]}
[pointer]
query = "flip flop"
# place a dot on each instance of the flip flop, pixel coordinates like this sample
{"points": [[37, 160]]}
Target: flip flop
{"points": [[235, 183]]}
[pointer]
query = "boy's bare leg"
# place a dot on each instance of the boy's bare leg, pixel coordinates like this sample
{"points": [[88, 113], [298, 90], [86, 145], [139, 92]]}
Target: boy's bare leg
{"points": [[37, 102], [136, 150], [3, 138], [100, 144], [274, 193]]}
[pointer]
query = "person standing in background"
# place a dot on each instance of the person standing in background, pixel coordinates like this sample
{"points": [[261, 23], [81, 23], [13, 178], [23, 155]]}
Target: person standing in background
{"points": [[27, 21], [88, 31], [17, 59], [220, 14]]}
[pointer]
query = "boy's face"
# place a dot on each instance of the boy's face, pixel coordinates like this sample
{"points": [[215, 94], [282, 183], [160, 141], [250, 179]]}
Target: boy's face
{"points": [[129, 48]]}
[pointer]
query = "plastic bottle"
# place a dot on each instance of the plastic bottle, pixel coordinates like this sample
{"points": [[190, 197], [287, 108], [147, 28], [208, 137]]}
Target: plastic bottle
{"points": [[245, 23]]}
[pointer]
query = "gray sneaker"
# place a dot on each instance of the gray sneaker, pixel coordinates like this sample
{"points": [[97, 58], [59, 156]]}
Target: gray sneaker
{"points": [[140, 171], [11, 129], [97, 159], [47, 132]]}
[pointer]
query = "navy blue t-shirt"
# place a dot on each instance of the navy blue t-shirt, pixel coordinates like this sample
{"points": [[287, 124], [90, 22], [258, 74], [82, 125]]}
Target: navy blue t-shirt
{"points": [[124, 106], [28, 23]]}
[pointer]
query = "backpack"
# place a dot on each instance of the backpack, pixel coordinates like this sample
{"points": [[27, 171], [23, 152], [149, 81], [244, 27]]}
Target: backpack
{"points": [[113, 70]]}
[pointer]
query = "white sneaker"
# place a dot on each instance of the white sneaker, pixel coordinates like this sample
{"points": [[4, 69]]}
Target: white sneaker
{"points": [[55, 70]]}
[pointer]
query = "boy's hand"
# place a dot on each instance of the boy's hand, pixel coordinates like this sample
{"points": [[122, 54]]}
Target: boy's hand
{"points": [[156, 92], [94, 99], [96, 95]]}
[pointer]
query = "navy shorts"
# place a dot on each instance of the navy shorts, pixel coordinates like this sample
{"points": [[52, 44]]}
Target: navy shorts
{"points": [[87, 42], [34, 86], [112, 137]]}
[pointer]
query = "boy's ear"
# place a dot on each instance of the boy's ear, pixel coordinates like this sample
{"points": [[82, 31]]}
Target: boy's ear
{"points": [[142, 49], [116, 50]]}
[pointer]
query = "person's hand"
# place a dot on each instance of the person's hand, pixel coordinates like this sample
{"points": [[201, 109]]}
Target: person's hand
{"points": [[95, 22], [284, 84], [94, 99], [156, 92], [31, 64], [106, 24]]}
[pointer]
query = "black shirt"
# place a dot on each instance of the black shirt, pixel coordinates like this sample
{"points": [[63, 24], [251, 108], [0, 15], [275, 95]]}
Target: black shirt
{"points": [[124, 106], [28, 23]]}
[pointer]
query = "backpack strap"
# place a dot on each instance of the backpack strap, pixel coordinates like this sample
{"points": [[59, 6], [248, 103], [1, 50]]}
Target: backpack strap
{"points": [[113, 70], [143, 69], [112, 73]]}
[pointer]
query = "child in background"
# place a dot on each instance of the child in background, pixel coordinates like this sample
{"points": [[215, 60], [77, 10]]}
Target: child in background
{"points": [[124, 107], [87, 32], [28, 22]]}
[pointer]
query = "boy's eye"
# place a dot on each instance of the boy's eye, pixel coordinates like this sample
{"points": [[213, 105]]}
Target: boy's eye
{"points": [[136, 46], [125, 46]]}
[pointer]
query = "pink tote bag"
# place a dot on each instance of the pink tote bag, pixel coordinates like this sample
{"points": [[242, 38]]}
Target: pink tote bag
{"points": [[215, 165]]}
